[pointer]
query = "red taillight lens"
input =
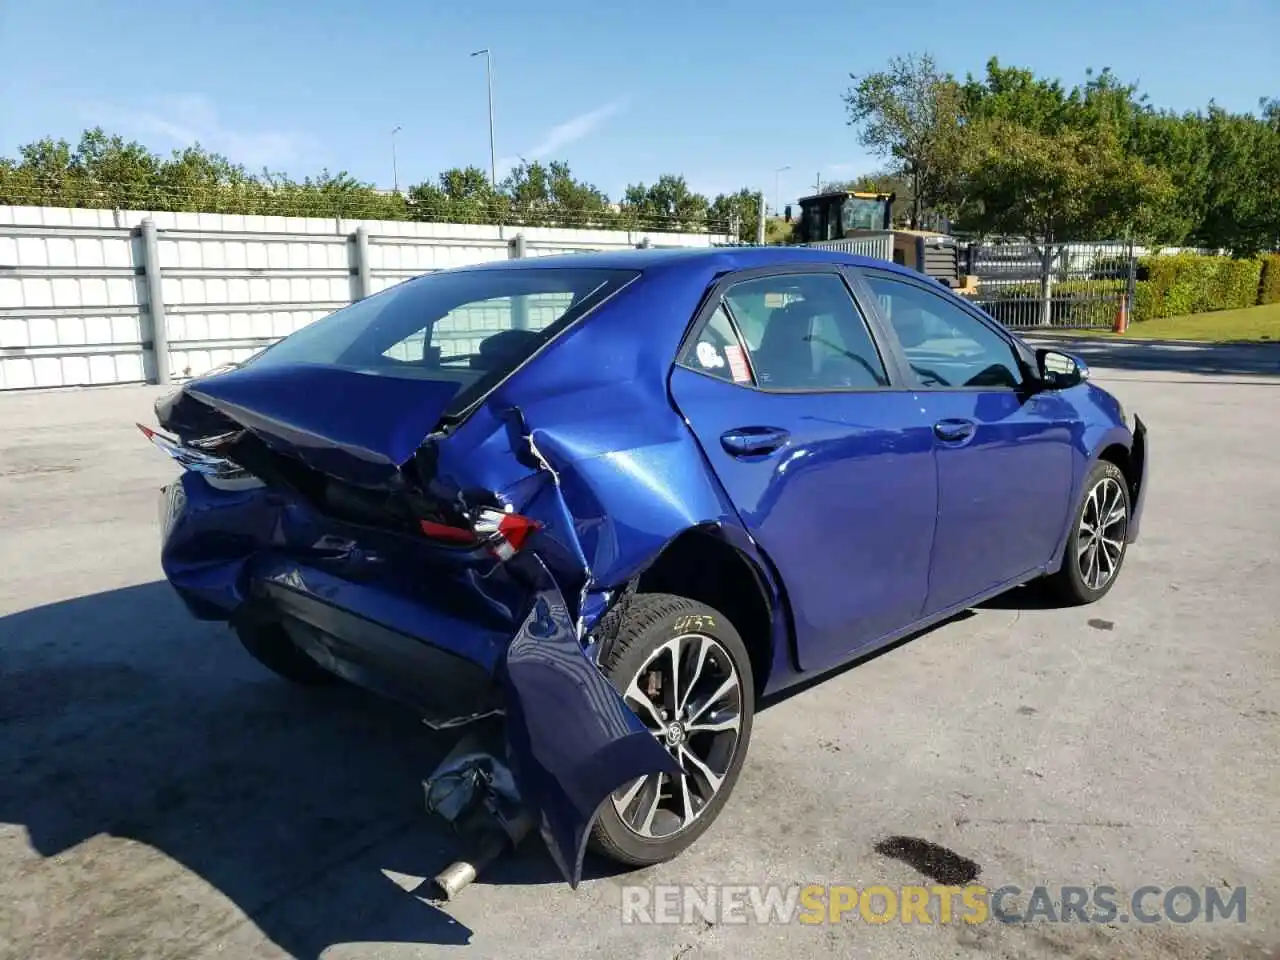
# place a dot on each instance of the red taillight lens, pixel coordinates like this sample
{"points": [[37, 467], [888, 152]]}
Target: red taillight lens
{"points": [[515, 530], [505, 533]]}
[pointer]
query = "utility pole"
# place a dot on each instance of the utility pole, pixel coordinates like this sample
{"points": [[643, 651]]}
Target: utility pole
{"points": [[817, 187], [488, 73], [777, 190], [395, 170]]}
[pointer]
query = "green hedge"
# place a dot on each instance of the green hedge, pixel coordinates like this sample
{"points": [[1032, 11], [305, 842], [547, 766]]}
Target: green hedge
{"points": [[1167, 286], [1269, 287], [1183, 283]]}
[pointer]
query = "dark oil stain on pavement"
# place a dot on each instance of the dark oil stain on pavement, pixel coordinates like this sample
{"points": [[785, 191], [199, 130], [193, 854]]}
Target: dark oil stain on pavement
{"points": [[1100, 624], [934, 861]]}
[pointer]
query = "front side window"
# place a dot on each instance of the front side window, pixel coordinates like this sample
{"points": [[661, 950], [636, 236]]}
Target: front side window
{"points": [[470, 327], [945, 345], [804, 332]]}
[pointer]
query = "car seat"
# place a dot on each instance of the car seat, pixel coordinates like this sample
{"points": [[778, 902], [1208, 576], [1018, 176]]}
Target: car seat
{"points": [[504, 349], [785, 356]]}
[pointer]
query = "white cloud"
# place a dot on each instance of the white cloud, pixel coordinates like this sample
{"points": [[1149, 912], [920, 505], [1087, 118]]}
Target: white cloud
{"points": [[572, 130], [193, 118]]}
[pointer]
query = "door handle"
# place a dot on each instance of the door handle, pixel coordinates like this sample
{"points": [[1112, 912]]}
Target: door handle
{"points": [[753, 441], [954, 431]]}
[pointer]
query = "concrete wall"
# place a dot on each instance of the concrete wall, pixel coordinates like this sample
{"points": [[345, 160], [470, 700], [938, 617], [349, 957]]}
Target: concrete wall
{"points": [[74, 286]]}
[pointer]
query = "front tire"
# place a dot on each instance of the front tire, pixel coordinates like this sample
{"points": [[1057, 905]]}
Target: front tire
{"points": [[681, 666], [1096, 548]]}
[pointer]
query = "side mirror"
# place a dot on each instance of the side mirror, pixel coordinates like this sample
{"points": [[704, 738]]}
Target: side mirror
{"points": [[1059, 371]]}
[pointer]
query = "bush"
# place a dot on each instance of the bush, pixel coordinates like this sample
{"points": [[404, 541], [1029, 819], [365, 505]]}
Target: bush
{"points": [[1145, 305], [1167, 286], [1269, 288], [1195, 283]]}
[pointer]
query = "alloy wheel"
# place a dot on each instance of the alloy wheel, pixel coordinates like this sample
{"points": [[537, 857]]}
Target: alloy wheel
{"points": [[689, 694], [1104, 522]]}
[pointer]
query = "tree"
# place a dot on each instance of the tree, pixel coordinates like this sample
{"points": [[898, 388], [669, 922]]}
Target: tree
{"points": [[668, 204], [460, 195], [549, 195], [1057, 188], [911, 113], [736, 211], [104, 171], [1179, 145], [1015, 95], [581, 202], [1243, 196]]}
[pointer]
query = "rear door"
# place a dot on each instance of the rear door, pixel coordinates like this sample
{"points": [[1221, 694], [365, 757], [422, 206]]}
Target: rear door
{"points": [[1004, 452], [822, 448]]}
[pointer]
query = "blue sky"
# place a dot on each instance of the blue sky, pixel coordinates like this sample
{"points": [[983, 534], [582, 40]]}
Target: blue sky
{"points": [[722, 92]]}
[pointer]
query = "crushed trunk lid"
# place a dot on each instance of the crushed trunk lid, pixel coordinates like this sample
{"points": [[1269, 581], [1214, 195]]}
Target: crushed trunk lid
{"points": [[352, 425], [571, 738]]}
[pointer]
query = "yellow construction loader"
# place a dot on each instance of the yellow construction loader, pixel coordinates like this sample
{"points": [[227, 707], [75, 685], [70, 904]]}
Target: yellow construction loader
{"points": [[847, 215]]}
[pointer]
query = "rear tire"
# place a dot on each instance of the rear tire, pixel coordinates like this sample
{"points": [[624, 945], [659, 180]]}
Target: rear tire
{"points": [[272, 647], [703, 718], [1096, 548]]}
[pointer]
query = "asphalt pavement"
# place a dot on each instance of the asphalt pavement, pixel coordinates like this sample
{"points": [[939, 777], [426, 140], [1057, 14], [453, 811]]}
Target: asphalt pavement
{"points": [[161, 795]]}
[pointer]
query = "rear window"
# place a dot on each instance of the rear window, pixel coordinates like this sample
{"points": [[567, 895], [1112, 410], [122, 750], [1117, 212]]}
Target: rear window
{"points": [[471, 327]]}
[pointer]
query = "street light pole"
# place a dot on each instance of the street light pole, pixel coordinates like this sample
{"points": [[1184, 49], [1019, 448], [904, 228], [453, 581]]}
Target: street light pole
{"points": [[777, 189], [395, 170], [488, 73]]}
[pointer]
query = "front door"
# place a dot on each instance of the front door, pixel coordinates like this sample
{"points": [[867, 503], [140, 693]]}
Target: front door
{"points": [[825, 456], [1004, 453]]}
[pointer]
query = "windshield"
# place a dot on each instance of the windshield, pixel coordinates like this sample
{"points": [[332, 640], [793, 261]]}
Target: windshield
{"points": [[862, 213], [470, 327]]}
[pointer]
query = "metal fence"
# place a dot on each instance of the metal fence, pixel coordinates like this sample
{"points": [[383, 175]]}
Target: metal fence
{"points": [[1072, 286], [877, 245], [108, 296]]}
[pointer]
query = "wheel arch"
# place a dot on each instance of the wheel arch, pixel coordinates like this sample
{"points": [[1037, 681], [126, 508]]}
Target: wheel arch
{"points": [[1115, 446], [1121, 454], [718, 565]]}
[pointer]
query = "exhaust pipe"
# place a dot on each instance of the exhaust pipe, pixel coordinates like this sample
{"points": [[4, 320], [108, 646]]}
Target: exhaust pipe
{"points": [[473, 790], [453, 879]]}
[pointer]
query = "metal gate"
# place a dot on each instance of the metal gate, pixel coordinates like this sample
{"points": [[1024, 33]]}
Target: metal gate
{"points": [[1084, 286]]}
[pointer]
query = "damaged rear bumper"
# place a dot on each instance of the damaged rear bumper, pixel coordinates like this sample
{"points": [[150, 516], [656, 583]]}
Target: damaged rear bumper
{"points": [[453, 649]]}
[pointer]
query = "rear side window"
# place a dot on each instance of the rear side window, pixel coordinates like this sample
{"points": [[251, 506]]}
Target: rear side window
{"points": [[716, 350], [471, 327], [804, 332]]}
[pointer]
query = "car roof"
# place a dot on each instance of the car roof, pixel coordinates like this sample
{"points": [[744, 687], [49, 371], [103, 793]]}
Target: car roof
{"points": [[714, 259]]}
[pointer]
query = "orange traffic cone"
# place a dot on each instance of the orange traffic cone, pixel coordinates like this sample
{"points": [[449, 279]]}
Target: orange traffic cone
{"points": [[1122, 315]]}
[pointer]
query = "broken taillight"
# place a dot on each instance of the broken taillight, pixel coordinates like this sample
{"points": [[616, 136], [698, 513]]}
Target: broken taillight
{"points": [[505, 533], [502, 534], [196, 460]]}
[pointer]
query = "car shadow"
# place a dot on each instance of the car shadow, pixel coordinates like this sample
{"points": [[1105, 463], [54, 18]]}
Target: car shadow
{"points": [[121, 715], [782, 696], [1030, 596], [1212, 359]]}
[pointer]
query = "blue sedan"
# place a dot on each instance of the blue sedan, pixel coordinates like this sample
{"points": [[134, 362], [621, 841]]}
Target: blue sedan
{"points": [[615, 499]]}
